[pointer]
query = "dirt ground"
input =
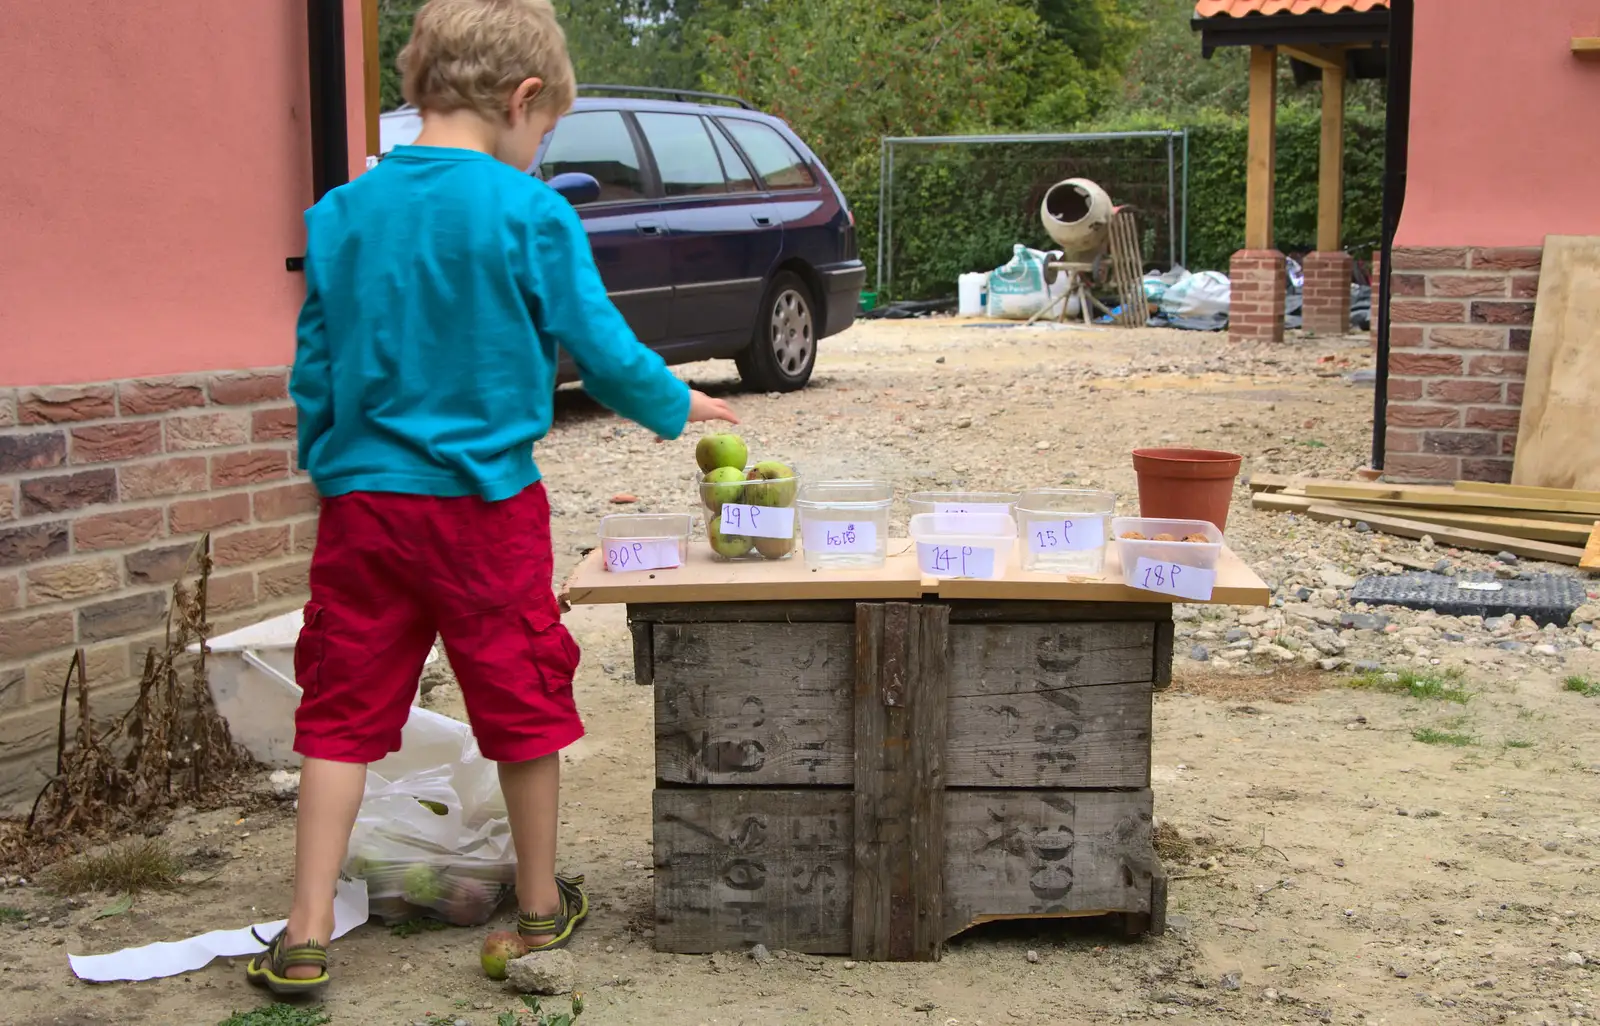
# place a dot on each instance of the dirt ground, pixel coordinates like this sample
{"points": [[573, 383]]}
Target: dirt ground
{"points": [[1334, 868]]}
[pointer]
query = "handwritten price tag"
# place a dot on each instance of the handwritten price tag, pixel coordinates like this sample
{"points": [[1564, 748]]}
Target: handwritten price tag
{"points": [[999, 508], [757, 521], [626, 554], [955, 560], [1187, 582], [1082, 535], [839, 536]]}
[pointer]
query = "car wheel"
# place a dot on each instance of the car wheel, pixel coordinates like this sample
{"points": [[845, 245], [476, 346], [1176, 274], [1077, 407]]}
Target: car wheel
{"points": [[783, 347]]}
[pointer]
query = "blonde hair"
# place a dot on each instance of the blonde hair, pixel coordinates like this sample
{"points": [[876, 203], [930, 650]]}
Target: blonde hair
{"points": [[471, 55]]}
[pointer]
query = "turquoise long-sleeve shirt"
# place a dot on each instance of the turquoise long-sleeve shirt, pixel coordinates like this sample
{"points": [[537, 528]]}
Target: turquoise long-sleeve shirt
{"points": [[440, 286]]}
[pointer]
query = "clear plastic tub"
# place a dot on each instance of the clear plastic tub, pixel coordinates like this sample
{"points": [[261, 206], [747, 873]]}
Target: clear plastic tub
{"points": [[962, 502], [645, 541], [1147, 563], [753, 518], [1064, 530], [844, 525], [964, 544]]}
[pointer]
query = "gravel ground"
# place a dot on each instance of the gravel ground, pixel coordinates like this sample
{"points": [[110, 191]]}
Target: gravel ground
{"points": [[1422, 849]]}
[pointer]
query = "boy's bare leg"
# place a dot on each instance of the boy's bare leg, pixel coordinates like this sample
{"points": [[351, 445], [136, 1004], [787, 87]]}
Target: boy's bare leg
{"points": [[533, 804], [330, 796]]}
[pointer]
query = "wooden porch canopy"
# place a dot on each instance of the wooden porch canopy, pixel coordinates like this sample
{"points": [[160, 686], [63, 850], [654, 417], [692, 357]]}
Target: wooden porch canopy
{"points": [[1338, 39]]}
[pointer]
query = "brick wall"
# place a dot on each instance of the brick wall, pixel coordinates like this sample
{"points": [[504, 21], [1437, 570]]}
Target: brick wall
{"points": [[104, 491], [1260, 290], [1326, 301], [1460, 320]]}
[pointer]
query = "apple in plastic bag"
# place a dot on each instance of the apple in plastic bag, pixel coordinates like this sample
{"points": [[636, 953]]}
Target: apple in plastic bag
{"points": [[469, 902], [422, 885]]}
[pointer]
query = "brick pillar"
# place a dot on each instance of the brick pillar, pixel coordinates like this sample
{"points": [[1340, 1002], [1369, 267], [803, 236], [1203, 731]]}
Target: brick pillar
{"points": [[1260, 281], [1377, 278], [1327, 292]]}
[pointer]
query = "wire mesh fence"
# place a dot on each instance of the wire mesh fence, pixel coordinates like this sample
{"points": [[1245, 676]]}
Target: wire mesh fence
{"points": [[951, 204]]}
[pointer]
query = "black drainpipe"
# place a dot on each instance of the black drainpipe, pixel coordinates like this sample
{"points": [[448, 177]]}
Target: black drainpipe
{"points": [[330, 144], [1397, 138]]}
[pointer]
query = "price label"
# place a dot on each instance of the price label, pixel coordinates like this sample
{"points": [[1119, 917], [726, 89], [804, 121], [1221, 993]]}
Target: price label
{"points": [[757, 521], [1081, 535], [1188, 582], [1000, 508], [955, 560], [839, 536], [626, 554]]}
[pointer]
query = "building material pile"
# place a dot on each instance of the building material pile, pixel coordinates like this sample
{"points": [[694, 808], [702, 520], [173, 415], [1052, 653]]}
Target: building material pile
{"points": [[1555, 525]]}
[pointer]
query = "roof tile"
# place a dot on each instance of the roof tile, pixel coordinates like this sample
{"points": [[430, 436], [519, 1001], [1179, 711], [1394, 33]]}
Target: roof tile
{"points": [[1242, 8]]}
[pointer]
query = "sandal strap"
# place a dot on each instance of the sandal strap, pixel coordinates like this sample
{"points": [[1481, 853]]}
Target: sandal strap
{"points": [[555, 923], [281, 956]]}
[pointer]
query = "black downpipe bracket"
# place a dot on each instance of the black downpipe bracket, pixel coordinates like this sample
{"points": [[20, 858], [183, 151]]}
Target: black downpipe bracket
{"points": [[1397, 141]]}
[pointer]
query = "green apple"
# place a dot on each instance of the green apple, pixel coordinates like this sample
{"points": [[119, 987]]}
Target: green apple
{"points": [[778, 492], [421, 885], [774, 548], [724, 484], [729, 546], [713, 451], [500, 947]]}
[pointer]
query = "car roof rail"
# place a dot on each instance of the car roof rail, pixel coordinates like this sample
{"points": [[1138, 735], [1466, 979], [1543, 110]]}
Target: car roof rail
{"points": [[681, 95]]}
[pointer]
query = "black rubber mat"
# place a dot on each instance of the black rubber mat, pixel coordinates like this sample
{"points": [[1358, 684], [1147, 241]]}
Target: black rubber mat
{"points": [[1544, 598]]}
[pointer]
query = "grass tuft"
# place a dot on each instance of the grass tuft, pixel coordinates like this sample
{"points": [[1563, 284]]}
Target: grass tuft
{"points": [[279, 1015], [1582, 686], [145, 864], [1429, 736], [1427, 687]]}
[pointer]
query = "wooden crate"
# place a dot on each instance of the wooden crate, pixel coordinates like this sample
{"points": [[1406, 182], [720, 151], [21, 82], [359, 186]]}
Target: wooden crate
{"points": [[872, 778]]}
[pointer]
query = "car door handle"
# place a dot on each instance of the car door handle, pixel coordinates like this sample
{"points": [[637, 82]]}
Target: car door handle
{"points": [[648, 227], [762, 220]]}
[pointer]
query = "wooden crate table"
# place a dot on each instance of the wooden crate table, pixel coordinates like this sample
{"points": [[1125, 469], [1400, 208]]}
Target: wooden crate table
{"points": [[867, 763]]}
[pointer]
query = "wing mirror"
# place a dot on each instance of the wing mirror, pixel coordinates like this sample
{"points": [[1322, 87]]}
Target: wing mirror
{"points": [[576, 187]]}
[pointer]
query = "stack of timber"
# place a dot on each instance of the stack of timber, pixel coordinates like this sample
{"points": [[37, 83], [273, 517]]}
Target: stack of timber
{"points": [[1556, 525]]}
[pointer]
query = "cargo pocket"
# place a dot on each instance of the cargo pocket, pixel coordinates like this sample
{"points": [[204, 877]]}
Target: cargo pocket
{"points": [[309, 649], [555, 654]]}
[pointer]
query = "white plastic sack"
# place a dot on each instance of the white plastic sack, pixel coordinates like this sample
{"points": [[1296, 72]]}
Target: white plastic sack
{"points": [[1198, 302], [432, 836], [1020, 288]]}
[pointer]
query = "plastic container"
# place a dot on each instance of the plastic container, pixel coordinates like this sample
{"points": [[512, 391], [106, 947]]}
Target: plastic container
{"points": [[844, 525], [1186, 484], [971, 289], [1064, 530], [753, 519], [1167, 554], [645, 541], [964, 544], [962, 502]]}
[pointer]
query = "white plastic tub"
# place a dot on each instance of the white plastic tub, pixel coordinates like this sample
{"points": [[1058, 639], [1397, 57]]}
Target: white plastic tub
{"points": [[964, 544], [250, 672], [962, 502], [1064, 530], [844, 525], [751, 518], [633, 542], [1178, 568]]}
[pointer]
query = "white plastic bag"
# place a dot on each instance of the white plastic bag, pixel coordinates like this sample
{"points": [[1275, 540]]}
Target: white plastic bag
{"points": [[1020, 288], [432, 836], [1198, 302]]}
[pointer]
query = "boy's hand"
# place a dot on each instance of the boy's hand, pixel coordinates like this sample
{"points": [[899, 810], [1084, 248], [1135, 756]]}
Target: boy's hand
{"points": [[702, 407]]}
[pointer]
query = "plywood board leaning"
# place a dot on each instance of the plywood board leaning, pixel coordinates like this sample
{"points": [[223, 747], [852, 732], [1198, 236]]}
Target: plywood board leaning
{"points": [[1558, 440], [1526, 491]]}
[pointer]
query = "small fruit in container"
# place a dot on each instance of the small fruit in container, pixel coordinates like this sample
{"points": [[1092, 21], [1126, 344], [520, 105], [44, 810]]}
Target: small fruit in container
{"points": [[721, 450], [720, 486], [728, 546], [776, 487], [500, 947]]}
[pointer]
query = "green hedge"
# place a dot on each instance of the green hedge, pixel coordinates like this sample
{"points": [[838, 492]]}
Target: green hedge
{"points": [[960, 209]]}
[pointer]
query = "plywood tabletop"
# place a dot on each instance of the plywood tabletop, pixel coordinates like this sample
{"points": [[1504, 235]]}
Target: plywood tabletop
{"points": [[703, 579]]}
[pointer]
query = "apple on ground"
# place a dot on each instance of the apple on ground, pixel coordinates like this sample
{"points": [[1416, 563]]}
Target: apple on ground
{"points": [[728, 546], [721, 450], [500, 947], [777, 488], [722, 485]]}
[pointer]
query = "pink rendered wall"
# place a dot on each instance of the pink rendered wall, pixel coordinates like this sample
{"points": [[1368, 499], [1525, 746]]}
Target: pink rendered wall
{"points": [[1505, 124], [158, 161]]}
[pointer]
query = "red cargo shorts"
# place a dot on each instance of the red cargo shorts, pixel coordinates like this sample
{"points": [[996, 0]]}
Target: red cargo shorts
{"points": [[390, 573]]}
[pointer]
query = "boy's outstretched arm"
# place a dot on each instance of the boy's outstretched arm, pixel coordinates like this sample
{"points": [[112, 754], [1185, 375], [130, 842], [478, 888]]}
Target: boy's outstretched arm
{"points": [[570, 307]]}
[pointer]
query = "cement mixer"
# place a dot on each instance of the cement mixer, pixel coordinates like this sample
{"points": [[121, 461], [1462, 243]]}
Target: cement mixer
{"points": [[1077, 214]]}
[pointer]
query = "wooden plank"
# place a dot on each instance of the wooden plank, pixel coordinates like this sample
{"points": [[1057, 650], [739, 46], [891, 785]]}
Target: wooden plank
{"points": [[1020, 854], [1330, 172], [1591, 552], [1076, 737], [1517, 527], [1019, 611], [1443, 498], [1237, 585], [1526, 491], [1324, 57], [1270, 482], [902, 673], [1012, 659], [776, 611], [643, 657], [1165, 642], [372, 75], [1586, 47], [1261, 167], [735, 868], [1291, 501], [1459, 537], [1557, 444], [754, 703]]}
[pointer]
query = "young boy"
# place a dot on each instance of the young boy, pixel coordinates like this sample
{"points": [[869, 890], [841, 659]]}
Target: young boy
{"points": [[439, 286]]}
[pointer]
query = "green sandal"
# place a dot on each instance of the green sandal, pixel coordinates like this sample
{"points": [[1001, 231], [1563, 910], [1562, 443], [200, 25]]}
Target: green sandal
{"points": [[270, 968], [559, 927]]}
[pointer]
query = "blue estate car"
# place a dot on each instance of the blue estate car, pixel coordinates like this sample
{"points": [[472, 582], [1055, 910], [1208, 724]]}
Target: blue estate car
{"points": [[719, 234]]}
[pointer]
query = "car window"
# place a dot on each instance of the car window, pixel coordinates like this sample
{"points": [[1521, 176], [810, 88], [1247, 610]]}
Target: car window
{"points": [[684, 154], [598, 143], [733, 165], [774, 159]]}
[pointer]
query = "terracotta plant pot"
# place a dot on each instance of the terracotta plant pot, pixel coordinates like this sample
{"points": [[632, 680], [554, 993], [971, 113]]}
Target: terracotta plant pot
{"points": [[1186, 484]]}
